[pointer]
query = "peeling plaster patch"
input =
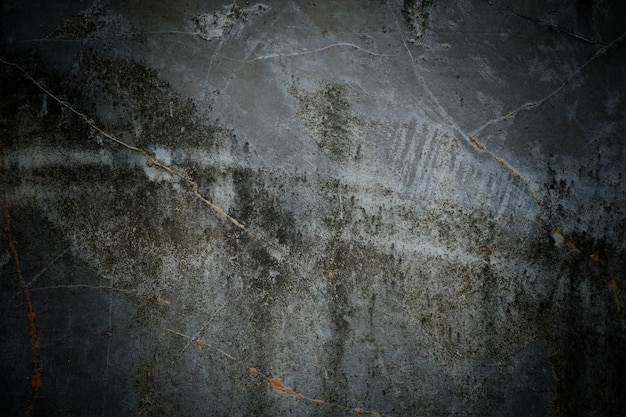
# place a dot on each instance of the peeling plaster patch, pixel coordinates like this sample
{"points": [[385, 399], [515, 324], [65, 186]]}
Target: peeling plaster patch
{"points": [[214, 25]]}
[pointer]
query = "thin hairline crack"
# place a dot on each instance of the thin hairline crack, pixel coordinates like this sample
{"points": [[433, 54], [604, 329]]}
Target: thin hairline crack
{"points": [[151, 160], [472, 137], [444, 113]]}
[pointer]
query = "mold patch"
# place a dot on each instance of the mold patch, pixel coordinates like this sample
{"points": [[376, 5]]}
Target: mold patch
{"points": [[79, 26], [416, 14], [332, 124], [215, 25]]}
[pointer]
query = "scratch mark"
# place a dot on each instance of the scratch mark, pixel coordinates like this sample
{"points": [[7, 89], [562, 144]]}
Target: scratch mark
{"points": [[151, 160], [203, 343], [198, 333], [533, 105], [308, 52], [34, 279], [145, 297], [36, 380], [208, 71], [459, 129], [557, 28], [275, 382]]}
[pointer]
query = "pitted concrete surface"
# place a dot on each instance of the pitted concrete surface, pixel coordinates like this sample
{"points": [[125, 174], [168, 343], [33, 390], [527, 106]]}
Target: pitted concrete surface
{"points": [[296, 208]]}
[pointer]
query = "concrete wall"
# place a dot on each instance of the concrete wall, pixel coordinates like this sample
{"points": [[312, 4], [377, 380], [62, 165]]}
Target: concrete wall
{"points": [[297, 208]]}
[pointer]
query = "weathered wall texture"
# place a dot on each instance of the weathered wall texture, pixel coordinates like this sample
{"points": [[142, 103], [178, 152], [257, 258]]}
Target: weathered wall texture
{"points": [[297, 208]]}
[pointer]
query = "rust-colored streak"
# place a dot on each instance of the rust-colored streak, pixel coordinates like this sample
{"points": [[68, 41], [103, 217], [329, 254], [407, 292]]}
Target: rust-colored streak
{"points": [[476, 143], [36, 378], [277, 384], [36, 381], [597, 259], [253, 371], [618, 300]]}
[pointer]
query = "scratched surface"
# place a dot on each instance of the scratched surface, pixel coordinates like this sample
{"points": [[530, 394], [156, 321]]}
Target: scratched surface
{"points": [[298, 208]]}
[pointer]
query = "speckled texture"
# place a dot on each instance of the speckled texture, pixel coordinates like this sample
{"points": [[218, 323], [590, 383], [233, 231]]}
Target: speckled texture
{"points": [[313, 208]]}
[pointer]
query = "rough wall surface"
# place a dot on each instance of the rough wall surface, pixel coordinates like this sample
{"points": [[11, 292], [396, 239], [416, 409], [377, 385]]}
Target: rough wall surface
{"points": [[297, 208]]}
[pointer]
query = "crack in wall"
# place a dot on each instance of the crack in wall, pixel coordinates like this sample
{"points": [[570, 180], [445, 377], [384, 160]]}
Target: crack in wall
{"points": [[602, 50], [151, 160], [307, 52], [446, 115], [275, 382], [36, 379], [535, 104], [473, 135]]}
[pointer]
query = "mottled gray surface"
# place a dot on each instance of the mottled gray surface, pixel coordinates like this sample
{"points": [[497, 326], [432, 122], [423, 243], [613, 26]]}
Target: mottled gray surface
{"points": [[297, 208]]}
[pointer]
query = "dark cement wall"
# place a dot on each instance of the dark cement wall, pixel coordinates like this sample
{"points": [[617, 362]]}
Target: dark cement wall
{"points": [[297, 208]]}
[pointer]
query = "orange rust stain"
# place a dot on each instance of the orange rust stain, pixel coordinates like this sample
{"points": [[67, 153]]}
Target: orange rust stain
{"points": [[162, 301], [476, 143], [317, 401], [596, 258], [277, 384], [199, 342], [36, 378], [358, 410], [569, 243], [253, 371], [299, 396], [36, 381]]}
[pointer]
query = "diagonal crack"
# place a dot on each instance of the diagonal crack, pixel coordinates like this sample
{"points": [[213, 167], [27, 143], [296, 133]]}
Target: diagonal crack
{"points": [[308, 52], [37, 375], [275, 382], [471, 138], [535, 104], [151, 160]]}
